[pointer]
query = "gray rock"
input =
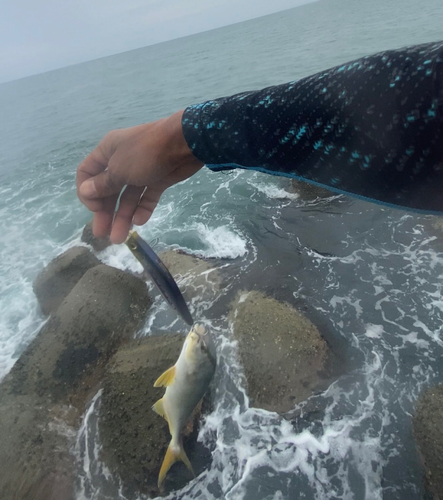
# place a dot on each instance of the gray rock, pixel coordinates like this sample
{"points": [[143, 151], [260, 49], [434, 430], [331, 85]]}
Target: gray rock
{"points": [[98, 244], [60, 276], [282, 352], [34, 454], [309, 191], [437, 222], [133, 436], [68, 355], [428, 434], [196, 277], [46, 391]]}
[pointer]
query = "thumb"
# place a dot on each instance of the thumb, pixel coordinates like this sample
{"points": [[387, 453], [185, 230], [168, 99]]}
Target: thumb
{"points": [[100, 186]]}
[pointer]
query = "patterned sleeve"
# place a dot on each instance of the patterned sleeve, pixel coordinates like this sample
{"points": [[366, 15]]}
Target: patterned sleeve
{"points": [[372, 128]]}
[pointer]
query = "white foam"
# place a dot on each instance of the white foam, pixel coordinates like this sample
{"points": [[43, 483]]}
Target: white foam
{"points": [[342, 301], [243, 297], [353, 258], [374, 331], [93, 476], [120, 256], [222, 242], [273, 191], [413, 338], [232, 179]]}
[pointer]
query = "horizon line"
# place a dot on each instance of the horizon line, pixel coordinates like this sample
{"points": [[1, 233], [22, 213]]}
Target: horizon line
{"points": [[306, 2]]}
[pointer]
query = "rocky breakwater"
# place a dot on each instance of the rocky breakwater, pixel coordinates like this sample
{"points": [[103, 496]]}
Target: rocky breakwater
{"points": [[84, 345], [284, 358], [44, 395]]}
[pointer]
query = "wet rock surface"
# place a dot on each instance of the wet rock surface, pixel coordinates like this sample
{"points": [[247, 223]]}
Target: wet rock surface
{"points": [[133, 436], [196, 277], [98, 244], [84, 345], [428, 434], [60, 276], [282, 352], [34, 454], [46, 392], [104, 308], [437, 223], [308, 191]]}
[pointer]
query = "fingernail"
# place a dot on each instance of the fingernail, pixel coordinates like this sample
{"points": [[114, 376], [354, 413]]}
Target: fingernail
{"points": [[88, 190]]}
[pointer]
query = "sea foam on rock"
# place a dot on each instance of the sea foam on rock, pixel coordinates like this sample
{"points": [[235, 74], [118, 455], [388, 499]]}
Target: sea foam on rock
{"points": [[282, 352], [60, 276], [428, 434], [199, 277], [133, 436]]}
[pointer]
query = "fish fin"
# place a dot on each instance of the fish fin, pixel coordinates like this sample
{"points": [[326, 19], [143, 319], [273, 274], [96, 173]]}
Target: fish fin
{"points": [[184, 458], [173, 455], [158, 408], [166, 378]]}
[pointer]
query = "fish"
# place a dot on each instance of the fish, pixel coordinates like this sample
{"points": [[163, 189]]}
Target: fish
{"points": [[186, 383], [159, 273]]}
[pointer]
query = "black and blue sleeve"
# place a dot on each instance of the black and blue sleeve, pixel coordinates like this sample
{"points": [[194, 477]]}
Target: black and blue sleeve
{"points": [[372, 128]]}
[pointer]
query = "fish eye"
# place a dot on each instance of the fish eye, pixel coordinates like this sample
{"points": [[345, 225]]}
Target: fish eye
{"points": [[132, 246]]}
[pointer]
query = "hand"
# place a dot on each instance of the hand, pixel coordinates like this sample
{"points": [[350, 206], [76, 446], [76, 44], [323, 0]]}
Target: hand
{"points": [[147, 159]]}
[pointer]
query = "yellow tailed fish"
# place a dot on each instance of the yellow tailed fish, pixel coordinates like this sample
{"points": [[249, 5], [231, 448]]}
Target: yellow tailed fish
{"points": [[186, 382]]}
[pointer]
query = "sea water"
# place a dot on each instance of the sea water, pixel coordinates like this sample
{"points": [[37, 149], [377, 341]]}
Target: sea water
{"points": [[370, 277]]}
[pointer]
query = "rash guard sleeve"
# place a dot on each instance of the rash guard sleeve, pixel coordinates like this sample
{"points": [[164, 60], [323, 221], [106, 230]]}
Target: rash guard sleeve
{"points": [[372, 128]]}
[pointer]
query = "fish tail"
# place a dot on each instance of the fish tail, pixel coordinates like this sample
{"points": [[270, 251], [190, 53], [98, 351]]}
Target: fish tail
{"points": [[174, 453]]}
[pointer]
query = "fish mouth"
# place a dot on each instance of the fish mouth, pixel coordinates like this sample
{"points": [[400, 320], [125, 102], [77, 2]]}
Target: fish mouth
{"points": [[200, 330], [200, 333]]}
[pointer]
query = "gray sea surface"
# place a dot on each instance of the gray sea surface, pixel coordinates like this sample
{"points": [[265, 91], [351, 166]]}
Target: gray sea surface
{"points": [[371, 277]]}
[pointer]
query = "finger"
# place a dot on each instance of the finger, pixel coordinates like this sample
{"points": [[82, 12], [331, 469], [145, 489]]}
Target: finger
{"points": [[102, 222], [93, 205], [146, 206], [91, 166], [103, 185], [123, 218]]}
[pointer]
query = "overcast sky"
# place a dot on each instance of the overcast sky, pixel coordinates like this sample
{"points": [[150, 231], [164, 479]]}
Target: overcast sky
{"points": [[40, 35]]}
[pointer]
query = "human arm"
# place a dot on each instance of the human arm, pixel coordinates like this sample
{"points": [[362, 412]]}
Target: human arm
{"points": [[371, 128]]}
